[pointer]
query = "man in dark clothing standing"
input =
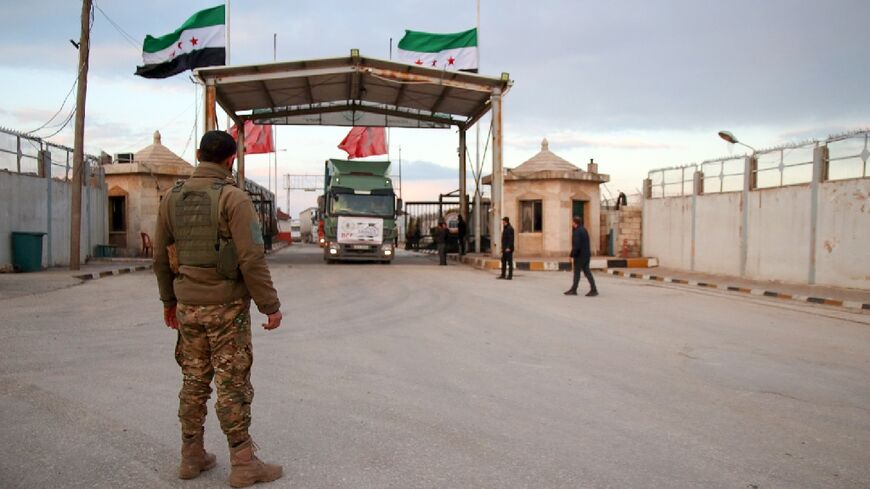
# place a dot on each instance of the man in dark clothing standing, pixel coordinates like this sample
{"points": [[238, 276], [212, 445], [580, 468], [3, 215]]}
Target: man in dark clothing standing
{"points": [[441, 242], [463, 231], [507, 250], [581, 253]]}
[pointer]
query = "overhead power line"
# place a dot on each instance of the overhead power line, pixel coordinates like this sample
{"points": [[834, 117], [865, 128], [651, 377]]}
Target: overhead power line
{"points": [[127, 37]]}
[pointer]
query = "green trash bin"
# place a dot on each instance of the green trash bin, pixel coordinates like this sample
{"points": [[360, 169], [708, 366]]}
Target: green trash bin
{"points": [[27, 251]]}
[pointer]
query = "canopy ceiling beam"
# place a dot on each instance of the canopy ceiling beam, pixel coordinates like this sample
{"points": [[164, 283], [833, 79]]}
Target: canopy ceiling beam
{"points": [[441, 98], [401, 91], [282, 75], [353, 107]]}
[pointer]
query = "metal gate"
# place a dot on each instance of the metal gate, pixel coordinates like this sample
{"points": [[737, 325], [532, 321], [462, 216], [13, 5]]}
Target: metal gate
{"points": [[421, 219]]}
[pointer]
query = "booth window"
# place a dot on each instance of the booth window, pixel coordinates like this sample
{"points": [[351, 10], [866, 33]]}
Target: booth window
{"points": [[531, 216], [117, 214]]}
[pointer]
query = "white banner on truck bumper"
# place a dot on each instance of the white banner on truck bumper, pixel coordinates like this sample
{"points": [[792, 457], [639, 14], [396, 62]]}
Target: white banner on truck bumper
{"points": [[360, 230]]}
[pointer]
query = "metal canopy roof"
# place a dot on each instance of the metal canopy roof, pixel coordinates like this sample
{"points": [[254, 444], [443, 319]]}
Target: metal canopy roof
{"points": [[352, 91]]}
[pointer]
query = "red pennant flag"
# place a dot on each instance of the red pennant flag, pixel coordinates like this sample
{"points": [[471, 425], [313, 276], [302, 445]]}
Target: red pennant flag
{"points": [[364, 141], [258, 137]]}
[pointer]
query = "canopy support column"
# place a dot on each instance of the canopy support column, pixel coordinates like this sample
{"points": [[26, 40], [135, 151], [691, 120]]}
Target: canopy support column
{"points": [[497, 197], [463, 192], [240, 156], [210, 109]]}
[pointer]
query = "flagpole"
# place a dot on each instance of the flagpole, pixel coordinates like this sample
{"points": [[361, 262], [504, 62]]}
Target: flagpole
{"points": [[195, 121], [385, 121], [275, 132], [477, 196], [400, 171], [227, 42]]}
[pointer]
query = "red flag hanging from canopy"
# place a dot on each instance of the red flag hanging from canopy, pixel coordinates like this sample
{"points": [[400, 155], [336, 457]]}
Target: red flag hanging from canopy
{"points": [[258, 138], [364, 141]]}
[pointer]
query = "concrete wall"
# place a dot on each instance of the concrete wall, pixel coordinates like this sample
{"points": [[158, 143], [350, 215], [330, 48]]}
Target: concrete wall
{"points": [[842, 256], [779, 234], [25, 208], [717, 233], [779, 244], [667, 226]]}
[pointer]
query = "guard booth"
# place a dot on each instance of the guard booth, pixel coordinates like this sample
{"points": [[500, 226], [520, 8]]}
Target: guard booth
{"points": [[363, 91]]}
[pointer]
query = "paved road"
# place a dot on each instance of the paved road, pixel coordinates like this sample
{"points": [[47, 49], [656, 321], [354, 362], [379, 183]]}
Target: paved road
{"points": [[412, 375]]}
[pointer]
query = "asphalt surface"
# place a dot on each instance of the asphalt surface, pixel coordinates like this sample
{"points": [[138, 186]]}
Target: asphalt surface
{"points": [[412, 375]]}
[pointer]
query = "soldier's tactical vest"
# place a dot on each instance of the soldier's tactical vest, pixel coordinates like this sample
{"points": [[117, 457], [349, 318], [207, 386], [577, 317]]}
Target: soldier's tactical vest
{"points": [[196, 214]]}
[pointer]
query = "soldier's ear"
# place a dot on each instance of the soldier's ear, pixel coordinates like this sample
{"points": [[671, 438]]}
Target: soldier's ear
{"points": [[230, 160]]}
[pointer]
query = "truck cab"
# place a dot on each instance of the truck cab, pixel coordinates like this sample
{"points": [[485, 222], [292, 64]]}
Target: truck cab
{"points": [[359, 209]]}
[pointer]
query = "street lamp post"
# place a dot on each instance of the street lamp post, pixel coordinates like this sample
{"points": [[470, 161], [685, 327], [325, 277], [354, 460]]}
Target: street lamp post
{"points": [[748, 179], [728, 136]]}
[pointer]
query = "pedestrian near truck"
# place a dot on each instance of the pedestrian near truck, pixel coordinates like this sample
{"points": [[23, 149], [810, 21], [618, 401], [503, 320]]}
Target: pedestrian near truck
{"points": [[507, 250], [441, 242]]}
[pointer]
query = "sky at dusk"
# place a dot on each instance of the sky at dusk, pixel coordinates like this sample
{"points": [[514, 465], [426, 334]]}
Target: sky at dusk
{"points": [[636, 85]]}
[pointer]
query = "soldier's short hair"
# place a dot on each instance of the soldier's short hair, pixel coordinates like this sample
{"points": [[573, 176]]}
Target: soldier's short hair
{"points": [[216, 146], [576, 220]]}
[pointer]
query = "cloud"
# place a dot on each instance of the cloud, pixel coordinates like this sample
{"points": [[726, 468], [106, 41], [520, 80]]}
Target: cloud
{"points": [[798, 135], [573, 139], [425, 170]]}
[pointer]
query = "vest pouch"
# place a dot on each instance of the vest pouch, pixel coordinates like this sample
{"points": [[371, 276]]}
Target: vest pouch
{"points": [[228, 261]]}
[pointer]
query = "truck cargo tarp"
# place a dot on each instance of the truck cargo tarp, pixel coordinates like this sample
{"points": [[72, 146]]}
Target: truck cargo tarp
{"points": [[344, 167]]}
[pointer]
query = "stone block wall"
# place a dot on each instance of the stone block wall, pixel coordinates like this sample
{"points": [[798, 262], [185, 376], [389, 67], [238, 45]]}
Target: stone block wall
{"points": [[627, 223]]}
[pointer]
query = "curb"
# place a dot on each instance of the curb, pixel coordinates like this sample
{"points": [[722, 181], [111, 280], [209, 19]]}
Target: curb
{"points": [[851, 305], [110, 273], [597, 263]]}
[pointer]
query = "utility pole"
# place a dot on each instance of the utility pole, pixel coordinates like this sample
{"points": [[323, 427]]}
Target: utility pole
{"points": [[79, 141]]}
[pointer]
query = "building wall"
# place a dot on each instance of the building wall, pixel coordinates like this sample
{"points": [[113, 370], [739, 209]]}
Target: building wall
{"points": [[667, 231], [718, 225], [556, 197], [143, 202], [26, 208], [842, 256], [627, 223], [779, 233]]}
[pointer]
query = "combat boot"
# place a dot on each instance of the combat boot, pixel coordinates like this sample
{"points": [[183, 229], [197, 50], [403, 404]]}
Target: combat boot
{"points": [[247, 469], [194, 458]]}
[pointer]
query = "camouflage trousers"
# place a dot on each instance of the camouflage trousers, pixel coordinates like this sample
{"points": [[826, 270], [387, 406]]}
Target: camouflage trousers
{"points": [[214, 342]]}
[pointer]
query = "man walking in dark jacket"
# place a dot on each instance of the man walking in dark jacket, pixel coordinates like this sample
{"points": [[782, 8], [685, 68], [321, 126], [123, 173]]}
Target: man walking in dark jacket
{"points": [[441, 242], [507, 250], [462, 229], [581, 253]]}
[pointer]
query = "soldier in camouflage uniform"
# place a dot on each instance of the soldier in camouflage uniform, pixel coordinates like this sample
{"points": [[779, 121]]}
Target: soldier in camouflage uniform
{"points": [[210, 225]]}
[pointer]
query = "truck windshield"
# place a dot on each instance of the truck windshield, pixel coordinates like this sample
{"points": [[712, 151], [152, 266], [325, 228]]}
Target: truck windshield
{"points": [[363, 205]]}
